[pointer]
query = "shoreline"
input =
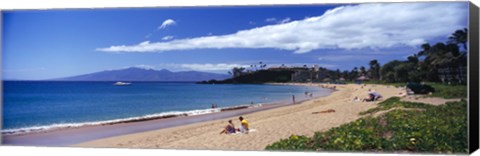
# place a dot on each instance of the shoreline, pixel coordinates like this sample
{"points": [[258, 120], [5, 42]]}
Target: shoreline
{"points": [[77, 134], [270, 125]]}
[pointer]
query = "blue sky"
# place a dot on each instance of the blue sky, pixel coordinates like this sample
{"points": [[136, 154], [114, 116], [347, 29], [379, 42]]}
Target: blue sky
{"points": [[45, 44]]}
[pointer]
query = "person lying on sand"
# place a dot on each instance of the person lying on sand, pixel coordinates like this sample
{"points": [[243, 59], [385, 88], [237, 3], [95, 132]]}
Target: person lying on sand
{"points": [[244, 125], [325, 111], [229, 129]]}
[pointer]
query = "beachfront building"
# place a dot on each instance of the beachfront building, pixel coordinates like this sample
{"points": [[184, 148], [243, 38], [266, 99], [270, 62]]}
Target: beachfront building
{"points": [[305, 74], [453, 75], [362, 78], [302, 75]]}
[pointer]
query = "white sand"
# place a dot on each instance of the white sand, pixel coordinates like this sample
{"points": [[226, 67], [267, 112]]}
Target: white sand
{"points": [[270, 125]]}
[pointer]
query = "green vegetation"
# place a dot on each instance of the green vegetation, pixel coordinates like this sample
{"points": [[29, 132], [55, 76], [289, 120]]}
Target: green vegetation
{"points": [[441, 90], [261, 76], [449, 91], [428, 129], [394, 102], [440, 63]]}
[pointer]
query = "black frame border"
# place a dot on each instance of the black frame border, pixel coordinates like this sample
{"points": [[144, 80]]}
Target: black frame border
{"points": [[473, 95]]}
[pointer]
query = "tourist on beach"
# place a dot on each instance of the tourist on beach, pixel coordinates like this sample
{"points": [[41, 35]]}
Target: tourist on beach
{"points": [[293, 99], [229, 129], [355, 99], [244, 125], [372, 96], [376, 96]]}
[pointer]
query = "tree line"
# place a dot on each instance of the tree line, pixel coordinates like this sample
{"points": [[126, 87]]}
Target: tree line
{"points": [[443, 62]]}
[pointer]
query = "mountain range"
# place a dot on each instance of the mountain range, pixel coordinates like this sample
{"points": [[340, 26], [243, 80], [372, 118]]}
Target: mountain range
{"points": [[142, 74]]}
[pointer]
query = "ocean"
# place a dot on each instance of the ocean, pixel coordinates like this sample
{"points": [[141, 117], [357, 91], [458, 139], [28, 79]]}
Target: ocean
{"points": [[38, 105]]}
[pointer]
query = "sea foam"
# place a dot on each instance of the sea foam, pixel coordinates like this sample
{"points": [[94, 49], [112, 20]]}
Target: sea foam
{"points": [[34, 129]]}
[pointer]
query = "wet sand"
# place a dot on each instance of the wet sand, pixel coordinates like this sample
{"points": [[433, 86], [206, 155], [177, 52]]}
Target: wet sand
{"points": [[269, 125]]}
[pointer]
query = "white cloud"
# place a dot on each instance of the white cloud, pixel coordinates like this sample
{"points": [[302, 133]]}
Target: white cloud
{"points": [[211, 67], [167, 38], [278, 21], [284, 20], [379, 25], [144, 43], [331, 66], [166, 23], [143, 66], [270, 19], [342, 58]]}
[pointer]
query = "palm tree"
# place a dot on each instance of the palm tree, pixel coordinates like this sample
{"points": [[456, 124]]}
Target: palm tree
{"points": [[413, 59], [459, 37], [362, 70], [354, 73], [374, 69], [237, 71], [425, 48]]}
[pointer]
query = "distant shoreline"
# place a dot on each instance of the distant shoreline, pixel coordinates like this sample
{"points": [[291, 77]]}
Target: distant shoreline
{"points": [[35, 137]]}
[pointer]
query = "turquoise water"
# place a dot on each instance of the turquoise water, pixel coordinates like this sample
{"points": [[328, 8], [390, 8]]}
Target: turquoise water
{"points": [[33, 105]]}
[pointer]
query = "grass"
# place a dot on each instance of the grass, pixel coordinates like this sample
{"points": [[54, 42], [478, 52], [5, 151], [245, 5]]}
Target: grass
{"points": [[449, 91], [441, 90], [438, 129]]}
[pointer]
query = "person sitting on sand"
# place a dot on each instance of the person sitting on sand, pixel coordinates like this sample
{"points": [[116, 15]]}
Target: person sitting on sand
{"points": [[244, 125], [376, 96], [368, 98], [372, 96], [229, 129]]}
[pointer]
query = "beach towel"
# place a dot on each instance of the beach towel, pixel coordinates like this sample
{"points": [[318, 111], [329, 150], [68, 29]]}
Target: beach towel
{"points": [[240, 133]]}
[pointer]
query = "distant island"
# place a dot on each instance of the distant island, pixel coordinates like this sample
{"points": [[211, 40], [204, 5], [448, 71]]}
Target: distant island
{"points": [[258, 77], [142, 74]]}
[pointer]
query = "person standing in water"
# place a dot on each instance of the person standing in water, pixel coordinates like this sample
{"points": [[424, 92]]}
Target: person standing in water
{"points": [[293, 99]]}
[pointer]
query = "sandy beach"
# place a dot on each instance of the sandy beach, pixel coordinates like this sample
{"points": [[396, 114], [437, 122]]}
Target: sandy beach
{"points": [[268, 126]]}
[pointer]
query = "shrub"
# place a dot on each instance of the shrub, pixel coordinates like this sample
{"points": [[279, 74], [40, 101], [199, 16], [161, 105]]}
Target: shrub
{"points": [[438, 129], [293, 143], [449, 91], [420, 88]]}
